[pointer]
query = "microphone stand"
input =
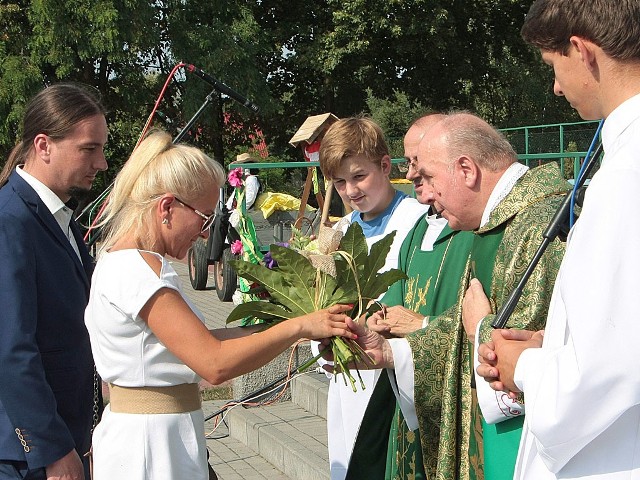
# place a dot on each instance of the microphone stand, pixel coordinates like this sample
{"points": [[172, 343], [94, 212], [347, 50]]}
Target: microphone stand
{"points": [[217, 87], [208, 100], [559, 224], [192, 121]]}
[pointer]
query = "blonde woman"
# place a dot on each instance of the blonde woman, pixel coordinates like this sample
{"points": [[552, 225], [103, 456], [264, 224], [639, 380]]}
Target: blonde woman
{"points": [[150, 344]]}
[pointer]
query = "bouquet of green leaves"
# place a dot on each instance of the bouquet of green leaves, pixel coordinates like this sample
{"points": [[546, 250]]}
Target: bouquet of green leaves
{"points": [[296, 287]]}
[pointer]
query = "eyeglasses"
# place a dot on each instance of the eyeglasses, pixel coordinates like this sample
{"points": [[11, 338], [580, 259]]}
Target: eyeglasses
{"points": [[411, 163], [207, 219]]}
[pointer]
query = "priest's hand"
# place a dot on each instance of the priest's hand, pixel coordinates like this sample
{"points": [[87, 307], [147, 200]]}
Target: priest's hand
{"points": [[475, 306], [499, 357], [397, 321], [373, 344]]}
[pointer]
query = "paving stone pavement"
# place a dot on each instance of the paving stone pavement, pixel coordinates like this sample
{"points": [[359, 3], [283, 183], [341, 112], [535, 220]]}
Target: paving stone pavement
{"points": [[230, 458], [214, 310]]}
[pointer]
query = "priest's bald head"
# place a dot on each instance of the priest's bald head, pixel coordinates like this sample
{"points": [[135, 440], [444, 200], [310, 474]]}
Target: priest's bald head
{"points": [[462, 158]]}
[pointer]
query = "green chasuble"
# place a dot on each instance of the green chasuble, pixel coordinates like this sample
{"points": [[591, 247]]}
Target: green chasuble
{"points": [[503, 437], [384, 442], [452, 443]]}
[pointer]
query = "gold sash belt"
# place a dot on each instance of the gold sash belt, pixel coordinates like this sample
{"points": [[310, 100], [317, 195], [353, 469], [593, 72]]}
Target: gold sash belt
{"points": [[147, 400]]}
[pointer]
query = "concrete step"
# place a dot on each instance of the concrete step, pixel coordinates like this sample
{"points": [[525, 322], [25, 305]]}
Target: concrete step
{"points": [[309, 391], [287, 436], [230, 458], [290, 435]]}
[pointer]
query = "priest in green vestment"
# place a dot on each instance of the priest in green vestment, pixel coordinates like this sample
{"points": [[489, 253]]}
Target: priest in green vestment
{"points": [[434, 257], [479, 186]]}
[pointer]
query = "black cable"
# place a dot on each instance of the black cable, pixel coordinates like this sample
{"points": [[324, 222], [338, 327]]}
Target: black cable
{"points": [[255, 393]]}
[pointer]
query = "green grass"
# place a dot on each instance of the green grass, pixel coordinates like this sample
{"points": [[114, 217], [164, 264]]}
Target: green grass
{"points": [[217, 393]]}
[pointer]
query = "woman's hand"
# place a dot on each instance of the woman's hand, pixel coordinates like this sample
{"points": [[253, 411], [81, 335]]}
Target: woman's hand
{"points": [[326, 323]]}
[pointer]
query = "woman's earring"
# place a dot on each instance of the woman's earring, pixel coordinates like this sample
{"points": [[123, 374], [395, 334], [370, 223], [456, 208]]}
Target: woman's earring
{"points": [[165, 221]]}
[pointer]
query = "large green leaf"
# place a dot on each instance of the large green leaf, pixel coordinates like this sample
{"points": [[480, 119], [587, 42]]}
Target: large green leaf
{"points": [[259, 309], [378, 253], [343, 295], [367, 263], [330, 293], [297, 287], [373, 263], [317, 288], [355, 243], [275, 283], [354, 246], [345, 276], [381, 283], [298, 272]]}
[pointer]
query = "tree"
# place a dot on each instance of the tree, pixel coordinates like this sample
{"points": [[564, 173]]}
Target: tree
{"points": [[294, 59], [126, 50], [446, 54], [394, 117], [223, 39]]}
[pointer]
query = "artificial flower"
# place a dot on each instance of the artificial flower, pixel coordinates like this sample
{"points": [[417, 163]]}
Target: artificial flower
{"points": [[234, 218], [268, 260], [237, 298], [258, 290], [236, 247], [235, 177]]}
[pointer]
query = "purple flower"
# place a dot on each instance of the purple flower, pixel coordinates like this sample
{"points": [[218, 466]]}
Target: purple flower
{"points": [[236, 247], [235, 177], [269, 261]]}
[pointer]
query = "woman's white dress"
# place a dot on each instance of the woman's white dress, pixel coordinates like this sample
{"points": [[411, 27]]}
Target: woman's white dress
{"points": [[128, 354]]}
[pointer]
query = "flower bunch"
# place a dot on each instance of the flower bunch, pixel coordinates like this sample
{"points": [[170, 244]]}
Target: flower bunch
{"points": [[297, 287]]}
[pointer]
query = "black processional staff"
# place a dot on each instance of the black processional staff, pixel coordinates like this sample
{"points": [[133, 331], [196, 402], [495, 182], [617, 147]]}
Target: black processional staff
{"points": [[559, 224]]}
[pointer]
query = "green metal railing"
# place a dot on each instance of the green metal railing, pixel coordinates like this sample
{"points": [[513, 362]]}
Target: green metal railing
{"points": [[267, 165], [562, 137], [566, 143]]}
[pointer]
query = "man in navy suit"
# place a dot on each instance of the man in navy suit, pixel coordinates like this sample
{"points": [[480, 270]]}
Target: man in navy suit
{"points": [[46, 367]]}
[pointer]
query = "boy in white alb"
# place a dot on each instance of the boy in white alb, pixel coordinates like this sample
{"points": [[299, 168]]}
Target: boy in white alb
{"points": [[355, 156]]}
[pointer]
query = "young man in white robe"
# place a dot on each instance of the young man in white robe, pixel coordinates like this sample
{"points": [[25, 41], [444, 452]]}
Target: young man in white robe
{"points": [[579, 378]]}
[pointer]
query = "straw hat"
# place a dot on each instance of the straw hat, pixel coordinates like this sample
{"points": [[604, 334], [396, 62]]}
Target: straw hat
{"points": [[245, 158]]}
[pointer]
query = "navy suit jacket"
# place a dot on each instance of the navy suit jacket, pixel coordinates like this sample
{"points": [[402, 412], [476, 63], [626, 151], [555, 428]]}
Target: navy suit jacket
{"points": [[46, 367]]}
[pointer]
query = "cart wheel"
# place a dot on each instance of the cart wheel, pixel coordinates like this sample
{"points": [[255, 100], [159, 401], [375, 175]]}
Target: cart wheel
{"points": [[225, 276], [198, 265]]}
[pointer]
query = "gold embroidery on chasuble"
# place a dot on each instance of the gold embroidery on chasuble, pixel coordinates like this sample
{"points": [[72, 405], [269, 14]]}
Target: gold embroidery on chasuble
{"points": [[416, 296], [441, 351]]}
